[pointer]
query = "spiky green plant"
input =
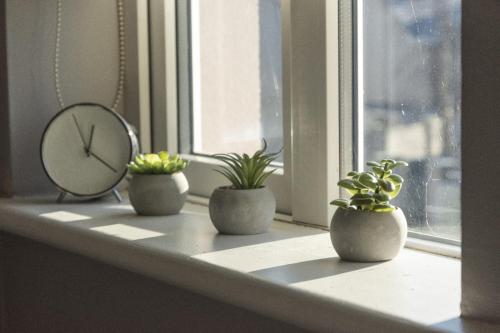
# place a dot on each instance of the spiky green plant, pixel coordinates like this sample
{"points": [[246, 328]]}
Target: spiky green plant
{"points": [[372, 190], [157, 164], [245, 172]]}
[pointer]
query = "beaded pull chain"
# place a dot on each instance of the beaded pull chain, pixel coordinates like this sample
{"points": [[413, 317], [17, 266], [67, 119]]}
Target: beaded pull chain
{"points": [[121, 50]]}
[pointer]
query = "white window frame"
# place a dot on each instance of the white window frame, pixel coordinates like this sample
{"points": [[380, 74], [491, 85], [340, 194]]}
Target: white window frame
{"points": [[318, 108]]}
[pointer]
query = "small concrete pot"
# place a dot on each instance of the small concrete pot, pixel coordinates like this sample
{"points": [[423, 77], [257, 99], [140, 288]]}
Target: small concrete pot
{"points": [[158, 194], [366, 236], [242, 212]]}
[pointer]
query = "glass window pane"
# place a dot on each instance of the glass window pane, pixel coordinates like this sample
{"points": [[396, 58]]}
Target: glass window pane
{"points": [[236, 83], [410, 105]]}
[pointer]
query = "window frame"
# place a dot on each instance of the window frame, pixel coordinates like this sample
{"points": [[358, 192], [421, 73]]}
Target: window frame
{"points": [[319, 76]]}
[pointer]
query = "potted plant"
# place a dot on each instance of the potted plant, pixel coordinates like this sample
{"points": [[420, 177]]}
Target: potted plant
{"points": [[367, 227], [246, 207], [158, 185]]}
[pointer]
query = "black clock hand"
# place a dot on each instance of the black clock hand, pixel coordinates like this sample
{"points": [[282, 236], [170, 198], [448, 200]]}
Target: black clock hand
{"points": [[90, 140], [102, 161], [80, 132]]}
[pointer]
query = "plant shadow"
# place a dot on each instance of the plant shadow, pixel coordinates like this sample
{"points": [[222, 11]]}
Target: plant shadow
{"points": [[311, 270]]}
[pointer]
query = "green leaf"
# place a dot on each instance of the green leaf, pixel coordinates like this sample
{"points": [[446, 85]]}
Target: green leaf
{"points": [[341, 203], [388, 164], [373, 163], [401, 163], [386, 185], [396, 179], [352, 173], [378, 171], [349, 185], [358, 185], [234, 181], [151, 158], [388, 161], [246, 171], [387, 173], [396, 191], [139, 160], [164, 156], [368, 180], [383, 208], [381, 197], [362, 201], [362, 196]]}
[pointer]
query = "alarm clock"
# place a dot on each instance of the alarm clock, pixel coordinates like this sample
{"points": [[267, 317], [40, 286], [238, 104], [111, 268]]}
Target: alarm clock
{"points": [[85, 150]]}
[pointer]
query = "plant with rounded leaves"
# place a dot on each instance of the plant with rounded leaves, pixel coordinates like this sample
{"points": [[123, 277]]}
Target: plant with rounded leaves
{"points": [[372, 190], [244, 171], [157, 164]]}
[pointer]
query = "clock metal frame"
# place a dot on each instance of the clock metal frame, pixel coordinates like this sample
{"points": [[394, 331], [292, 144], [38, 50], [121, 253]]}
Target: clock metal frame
{"points": [[133, 150]]}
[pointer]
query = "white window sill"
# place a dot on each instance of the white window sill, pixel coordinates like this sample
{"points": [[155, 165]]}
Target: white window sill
{"points": [[291, 273]]}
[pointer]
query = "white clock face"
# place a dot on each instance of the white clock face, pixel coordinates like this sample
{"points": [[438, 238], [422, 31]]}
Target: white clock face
{"points": [[85, 150]]}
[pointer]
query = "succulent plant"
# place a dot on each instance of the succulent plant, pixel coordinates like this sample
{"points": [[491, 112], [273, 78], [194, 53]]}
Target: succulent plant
{"points": [[157, 164], [244, 171], [372, 190]]}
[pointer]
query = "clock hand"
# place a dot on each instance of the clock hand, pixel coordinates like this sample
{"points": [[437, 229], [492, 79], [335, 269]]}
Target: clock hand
{"points": [[90, 140], [81, 133], [102, 161]]}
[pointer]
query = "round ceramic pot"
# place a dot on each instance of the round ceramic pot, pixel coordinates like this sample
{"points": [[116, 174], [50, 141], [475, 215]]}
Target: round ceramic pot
{"points": [[158, 194], [367, 236], [242, 212]]}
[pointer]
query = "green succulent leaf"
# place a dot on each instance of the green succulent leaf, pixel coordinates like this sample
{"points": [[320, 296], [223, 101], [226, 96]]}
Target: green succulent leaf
{"points": [[396, 179], [383, 208], [341, 203], [368, 180], [161, 163], [372, 190], [348, 184], [164, 156], [378, 171], [401, 163], [358, 184], [396, 191], [388, 161], [386, 185], [373, 163], [362, 201], [381, 197]]}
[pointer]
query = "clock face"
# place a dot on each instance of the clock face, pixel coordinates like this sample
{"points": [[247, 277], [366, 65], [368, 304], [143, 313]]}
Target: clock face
{"points": [[85, 149]]}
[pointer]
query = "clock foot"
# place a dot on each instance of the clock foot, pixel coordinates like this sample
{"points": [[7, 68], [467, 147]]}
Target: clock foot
{"points": [[117, 196], [61, 197]]}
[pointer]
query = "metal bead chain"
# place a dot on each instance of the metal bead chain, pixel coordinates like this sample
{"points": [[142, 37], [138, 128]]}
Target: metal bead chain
{"points": [[56, 55], [121, 50]]}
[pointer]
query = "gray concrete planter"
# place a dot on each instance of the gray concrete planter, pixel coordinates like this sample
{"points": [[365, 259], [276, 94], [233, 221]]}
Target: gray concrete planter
{"points": [[368, 236], [242, 212], [158, 194]]}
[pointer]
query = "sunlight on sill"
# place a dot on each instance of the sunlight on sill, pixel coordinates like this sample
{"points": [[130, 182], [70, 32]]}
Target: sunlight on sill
{"points": [[122, 207], [127, 232], [270, 254], [64, 216]]}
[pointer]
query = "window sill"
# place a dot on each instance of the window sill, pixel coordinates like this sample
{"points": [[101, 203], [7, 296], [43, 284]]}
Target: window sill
{"points": [[291, 273]]}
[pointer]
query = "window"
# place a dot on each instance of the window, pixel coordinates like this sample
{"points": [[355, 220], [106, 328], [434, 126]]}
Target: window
{"points": [[351, 80], [408, 97], [235, 75]]}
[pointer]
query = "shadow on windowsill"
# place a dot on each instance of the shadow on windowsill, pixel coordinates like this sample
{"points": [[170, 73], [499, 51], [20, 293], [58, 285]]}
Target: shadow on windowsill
{"points": [[311, 270]]}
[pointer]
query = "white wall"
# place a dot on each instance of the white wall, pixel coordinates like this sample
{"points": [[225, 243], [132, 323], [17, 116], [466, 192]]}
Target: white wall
{"points": [[88, 70]]}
